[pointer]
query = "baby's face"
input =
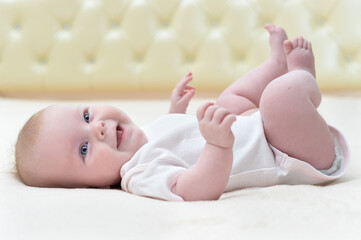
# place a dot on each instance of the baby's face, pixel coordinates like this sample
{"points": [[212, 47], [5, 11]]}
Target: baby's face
{"points": [[82, 146]]}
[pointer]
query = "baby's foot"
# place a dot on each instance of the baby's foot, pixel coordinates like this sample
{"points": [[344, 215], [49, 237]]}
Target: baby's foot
{"points": [[277, 37], [299, 55]]}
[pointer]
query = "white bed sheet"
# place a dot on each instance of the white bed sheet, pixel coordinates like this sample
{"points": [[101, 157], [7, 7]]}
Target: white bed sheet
{"points": [[278, 212]]}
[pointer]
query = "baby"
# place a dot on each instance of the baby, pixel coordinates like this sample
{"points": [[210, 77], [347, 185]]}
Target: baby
{"points": [[263, 130]]}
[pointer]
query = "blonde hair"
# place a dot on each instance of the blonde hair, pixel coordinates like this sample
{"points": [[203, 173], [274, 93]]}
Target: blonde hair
{"points": [[24, 149]]}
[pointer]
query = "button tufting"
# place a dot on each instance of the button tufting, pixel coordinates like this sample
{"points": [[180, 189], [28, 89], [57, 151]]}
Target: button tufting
{"points": [[17, 26], [139, 59], [165, 24], [321, 22], [215, 23], [211, 35], [189, 59], [66, 26], [43, 61], [349, 58], [115, 25], [91, 60]]}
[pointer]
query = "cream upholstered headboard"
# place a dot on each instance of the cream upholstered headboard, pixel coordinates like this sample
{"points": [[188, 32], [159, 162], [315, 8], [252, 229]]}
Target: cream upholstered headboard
{"points": [[59, 46]]}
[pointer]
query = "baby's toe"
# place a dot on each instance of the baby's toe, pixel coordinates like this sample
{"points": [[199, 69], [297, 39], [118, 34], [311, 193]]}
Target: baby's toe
{"points": [[287, 46], [300, 41]]}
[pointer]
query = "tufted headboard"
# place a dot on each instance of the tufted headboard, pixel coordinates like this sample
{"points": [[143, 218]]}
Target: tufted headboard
{"points": [[67, 46]]}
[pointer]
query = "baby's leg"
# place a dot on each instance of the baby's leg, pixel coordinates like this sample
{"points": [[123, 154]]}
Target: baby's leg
{"points": [[289, 110], [245, 93]]}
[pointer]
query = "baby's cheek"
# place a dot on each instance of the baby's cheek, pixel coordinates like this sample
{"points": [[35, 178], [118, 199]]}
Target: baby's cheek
{"points": [[104, 156]]}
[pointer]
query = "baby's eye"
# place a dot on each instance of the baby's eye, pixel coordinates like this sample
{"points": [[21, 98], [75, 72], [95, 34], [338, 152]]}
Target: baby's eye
{"points": [[84, 149], [86, 116]]}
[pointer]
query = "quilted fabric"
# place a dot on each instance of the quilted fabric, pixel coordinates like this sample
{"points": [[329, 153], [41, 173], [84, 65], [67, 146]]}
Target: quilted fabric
{"points": [[58, 46]]}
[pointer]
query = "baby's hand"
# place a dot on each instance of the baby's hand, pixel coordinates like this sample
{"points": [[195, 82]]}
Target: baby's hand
{"points": [[181, 95], [215, 125]]}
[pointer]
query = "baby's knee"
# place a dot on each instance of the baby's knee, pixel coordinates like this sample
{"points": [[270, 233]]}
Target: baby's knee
{"points": [[294, 86], [273, 97], [305, 83]]}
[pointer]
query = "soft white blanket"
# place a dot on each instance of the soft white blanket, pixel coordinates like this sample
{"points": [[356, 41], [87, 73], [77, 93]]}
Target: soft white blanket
{"points": [[278, 212]]}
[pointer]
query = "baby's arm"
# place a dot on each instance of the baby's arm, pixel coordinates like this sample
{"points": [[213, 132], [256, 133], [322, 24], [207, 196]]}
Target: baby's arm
{"points": [[181, 95], [208, 177]]}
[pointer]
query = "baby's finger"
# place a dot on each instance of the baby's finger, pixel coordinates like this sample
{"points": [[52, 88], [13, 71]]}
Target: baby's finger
{"points": [[184, 81], [228, 121], [209, 114], [189, 87], [187, 96], [181, 85], [220, 114], [202, 109]]}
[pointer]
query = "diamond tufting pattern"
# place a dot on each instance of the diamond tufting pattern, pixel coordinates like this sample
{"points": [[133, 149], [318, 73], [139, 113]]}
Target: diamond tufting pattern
{"points": [[57, 46]]}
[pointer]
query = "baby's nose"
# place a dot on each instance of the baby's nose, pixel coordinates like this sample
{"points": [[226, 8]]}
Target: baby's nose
{"points": [[99, 129]]}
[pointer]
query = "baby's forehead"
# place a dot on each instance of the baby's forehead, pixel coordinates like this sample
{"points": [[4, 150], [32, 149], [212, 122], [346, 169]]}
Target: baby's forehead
{"points": [[58, 129], [61, 107], [60, 117], [61, 112]]}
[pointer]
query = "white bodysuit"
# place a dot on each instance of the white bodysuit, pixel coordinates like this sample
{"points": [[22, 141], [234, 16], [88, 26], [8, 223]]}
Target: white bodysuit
{"points": [[175, 143]]}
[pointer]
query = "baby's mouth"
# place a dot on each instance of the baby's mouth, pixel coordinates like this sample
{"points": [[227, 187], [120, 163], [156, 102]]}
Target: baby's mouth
{"points": [[119, 132]]}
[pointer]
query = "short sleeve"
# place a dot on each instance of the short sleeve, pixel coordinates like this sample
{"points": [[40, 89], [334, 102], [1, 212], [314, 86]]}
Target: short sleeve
{"points": [[154, 180]]}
